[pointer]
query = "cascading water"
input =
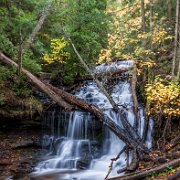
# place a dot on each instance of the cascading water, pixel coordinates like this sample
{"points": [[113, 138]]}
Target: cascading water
{"points": [[76, 154]]}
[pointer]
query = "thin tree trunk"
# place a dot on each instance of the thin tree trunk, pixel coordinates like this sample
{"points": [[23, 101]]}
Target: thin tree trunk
{"points": [[178, 73], [143, 16], [151, 22], [135, 100], [129, 128], [99, 84], [41, 21], [169, 4], [151, 16], [178, 52], [176, 40], [20, 53]]}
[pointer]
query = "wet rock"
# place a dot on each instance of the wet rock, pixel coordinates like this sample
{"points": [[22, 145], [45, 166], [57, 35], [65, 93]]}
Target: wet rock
{"points": [[26, 144], [46, 141], [83, 163]]}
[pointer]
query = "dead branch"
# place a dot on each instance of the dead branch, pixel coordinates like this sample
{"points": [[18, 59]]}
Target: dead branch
{"points": [[148, 172], [115, 159]]}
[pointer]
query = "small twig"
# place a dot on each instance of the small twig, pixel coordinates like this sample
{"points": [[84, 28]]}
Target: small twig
{"points": [[127, 162], [113, 160]]}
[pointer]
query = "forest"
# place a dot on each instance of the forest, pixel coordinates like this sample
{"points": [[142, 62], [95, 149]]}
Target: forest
{"points": [[89, 89]]}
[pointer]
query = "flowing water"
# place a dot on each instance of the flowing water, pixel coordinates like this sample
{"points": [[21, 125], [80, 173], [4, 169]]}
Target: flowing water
{"points": [[75, 149]]}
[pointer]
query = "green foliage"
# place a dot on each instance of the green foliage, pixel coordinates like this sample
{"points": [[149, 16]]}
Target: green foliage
{"points": [[86, 22], [6, 73], [169, 171], [31, 63], [21, 87], [58, 52], [2, 99]]}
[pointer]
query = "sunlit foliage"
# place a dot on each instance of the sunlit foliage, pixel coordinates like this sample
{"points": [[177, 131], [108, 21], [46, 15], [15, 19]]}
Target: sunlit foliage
{"points": [[58, 51], [163, 98]]}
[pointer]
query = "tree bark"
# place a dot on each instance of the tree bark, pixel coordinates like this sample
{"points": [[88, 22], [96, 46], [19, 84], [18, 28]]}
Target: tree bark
{"points": [[176, 59], [43, 17], [143, 16], [135, 100], [20, 53], [169, 4]]}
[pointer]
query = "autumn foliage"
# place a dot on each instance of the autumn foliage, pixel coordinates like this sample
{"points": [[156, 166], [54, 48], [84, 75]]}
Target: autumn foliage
{"points": [[163, 98]]}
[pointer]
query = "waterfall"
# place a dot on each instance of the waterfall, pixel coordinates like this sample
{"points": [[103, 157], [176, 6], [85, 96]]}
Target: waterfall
{"points": [[78, 148]]}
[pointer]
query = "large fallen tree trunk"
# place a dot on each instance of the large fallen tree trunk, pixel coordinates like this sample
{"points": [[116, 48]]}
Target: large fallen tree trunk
{"points": [[148, 172], [61, 98], [120, 132]]}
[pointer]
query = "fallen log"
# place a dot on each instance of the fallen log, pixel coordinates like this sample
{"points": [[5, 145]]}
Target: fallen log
{"points": [[120, 132], [109, 75], [69, 102], [148, 172]]}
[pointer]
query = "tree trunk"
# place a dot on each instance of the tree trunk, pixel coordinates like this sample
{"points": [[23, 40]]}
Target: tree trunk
{"points": [[20, 53], [151, 16], [120, 132], [176, 59], [169, 5], [135, 100], [43, 17], [151, 23], [143, 16]]}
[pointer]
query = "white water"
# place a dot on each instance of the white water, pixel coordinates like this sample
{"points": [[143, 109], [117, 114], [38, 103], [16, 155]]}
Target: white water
{"points": [[75, 147]]}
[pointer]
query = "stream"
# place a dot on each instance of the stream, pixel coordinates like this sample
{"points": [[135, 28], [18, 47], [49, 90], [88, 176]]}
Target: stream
{"points": [[77, 146]]}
